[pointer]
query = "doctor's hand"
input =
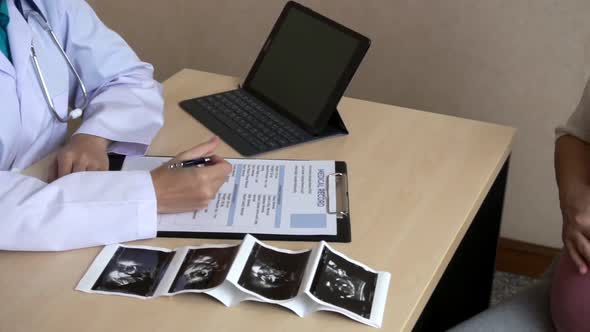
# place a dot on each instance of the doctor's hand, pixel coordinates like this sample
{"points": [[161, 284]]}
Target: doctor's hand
{"points": [[191, 188], [82, 153]]}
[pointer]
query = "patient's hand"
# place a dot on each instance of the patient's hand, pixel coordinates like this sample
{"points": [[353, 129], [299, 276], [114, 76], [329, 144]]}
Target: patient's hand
{"points": [[575, 208], [82, 153]]}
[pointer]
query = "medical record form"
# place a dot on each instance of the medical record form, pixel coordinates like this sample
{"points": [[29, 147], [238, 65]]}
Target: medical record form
{"points": [[274, 197]]}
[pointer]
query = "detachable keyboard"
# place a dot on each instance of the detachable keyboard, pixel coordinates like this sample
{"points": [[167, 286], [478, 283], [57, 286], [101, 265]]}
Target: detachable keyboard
{"points": [[245, 123]]}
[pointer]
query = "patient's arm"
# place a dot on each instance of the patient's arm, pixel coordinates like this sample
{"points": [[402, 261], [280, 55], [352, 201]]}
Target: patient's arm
{"points": [[572, 169]]}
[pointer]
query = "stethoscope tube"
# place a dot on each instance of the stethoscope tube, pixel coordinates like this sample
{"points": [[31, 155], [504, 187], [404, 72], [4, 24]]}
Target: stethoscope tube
{"points": [[76, 112]]}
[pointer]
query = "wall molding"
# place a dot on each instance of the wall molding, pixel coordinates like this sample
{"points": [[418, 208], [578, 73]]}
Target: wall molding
{"points": [[524, 258]]}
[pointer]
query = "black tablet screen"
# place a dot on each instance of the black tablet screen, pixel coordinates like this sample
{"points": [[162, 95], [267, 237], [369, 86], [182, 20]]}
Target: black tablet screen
{"points": [[303, 65]]}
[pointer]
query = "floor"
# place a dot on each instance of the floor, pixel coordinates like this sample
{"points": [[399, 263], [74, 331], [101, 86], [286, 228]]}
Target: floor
{"points": [[507, 284]]}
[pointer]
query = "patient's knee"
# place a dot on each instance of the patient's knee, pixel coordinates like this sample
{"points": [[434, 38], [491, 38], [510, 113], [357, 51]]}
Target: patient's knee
{"points": [[570, 298]]}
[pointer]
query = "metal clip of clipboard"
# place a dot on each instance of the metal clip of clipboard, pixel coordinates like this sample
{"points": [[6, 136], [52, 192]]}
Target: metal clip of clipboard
{"points": [[342, 202]]}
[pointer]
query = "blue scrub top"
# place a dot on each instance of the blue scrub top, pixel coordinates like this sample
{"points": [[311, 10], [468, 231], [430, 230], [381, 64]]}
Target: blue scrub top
{"points": [[4, 19]]}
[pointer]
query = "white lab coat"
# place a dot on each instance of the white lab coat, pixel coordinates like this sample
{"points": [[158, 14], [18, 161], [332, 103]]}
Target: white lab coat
{"points": [[81, 209]]}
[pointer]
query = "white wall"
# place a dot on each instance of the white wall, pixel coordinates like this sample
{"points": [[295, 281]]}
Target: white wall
{"points": [[514, 62]]}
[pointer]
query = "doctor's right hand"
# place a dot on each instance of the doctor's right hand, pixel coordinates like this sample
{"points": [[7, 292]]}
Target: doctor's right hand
{"points": [[192, 188]]}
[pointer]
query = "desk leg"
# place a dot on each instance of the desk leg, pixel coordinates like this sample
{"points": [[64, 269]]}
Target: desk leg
{"points": [[466, 285]]}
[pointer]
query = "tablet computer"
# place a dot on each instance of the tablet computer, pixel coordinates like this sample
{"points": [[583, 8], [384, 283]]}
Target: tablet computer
{"points": [[292, 90], [305, 66]]}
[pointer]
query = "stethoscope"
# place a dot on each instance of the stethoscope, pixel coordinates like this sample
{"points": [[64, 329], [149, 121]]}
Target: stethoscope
{"points": [[36, 14]]}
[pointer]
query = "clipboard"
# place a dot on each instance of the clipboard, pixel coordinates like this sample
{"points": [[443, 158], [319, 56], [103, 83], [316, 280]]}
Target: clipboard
{"points": [[342, 212]]}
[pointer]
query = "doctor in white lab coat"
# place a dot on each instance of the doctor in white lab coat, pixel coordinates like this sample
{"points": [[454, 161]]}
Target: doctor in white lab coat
{"points": [[85, 205]]}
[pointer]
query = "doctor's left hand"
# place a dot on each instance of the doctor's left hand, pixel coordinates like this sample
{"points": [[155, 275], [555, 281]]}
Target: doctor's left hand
{"points": [[82, 153]]}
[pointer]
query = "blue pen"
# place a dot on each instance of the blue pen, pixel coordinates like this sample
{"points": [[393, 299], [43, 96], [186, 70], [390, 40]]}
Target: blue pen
{"points": [[199, 162]]}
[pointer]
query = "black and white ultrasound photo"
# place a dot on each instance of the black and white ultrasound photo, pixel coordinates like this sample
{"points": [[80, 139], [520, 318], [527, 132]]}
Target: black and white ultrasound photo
{"points": [[204, 268], [344, 284], [273, 274], [134, 271]]}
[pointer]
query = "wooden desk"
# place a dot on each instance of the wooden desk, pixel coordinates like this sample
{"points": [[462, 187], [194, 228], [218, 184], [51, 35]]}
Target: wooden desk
{"points": [[417, 181]]}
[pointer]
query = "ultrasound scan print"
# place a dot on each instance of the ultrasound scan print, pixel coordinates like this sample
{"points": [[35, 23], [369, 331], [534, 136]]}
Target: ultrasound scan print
{"points": [[273, 274], [134, 271], [204, 268], [344, 284]]}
